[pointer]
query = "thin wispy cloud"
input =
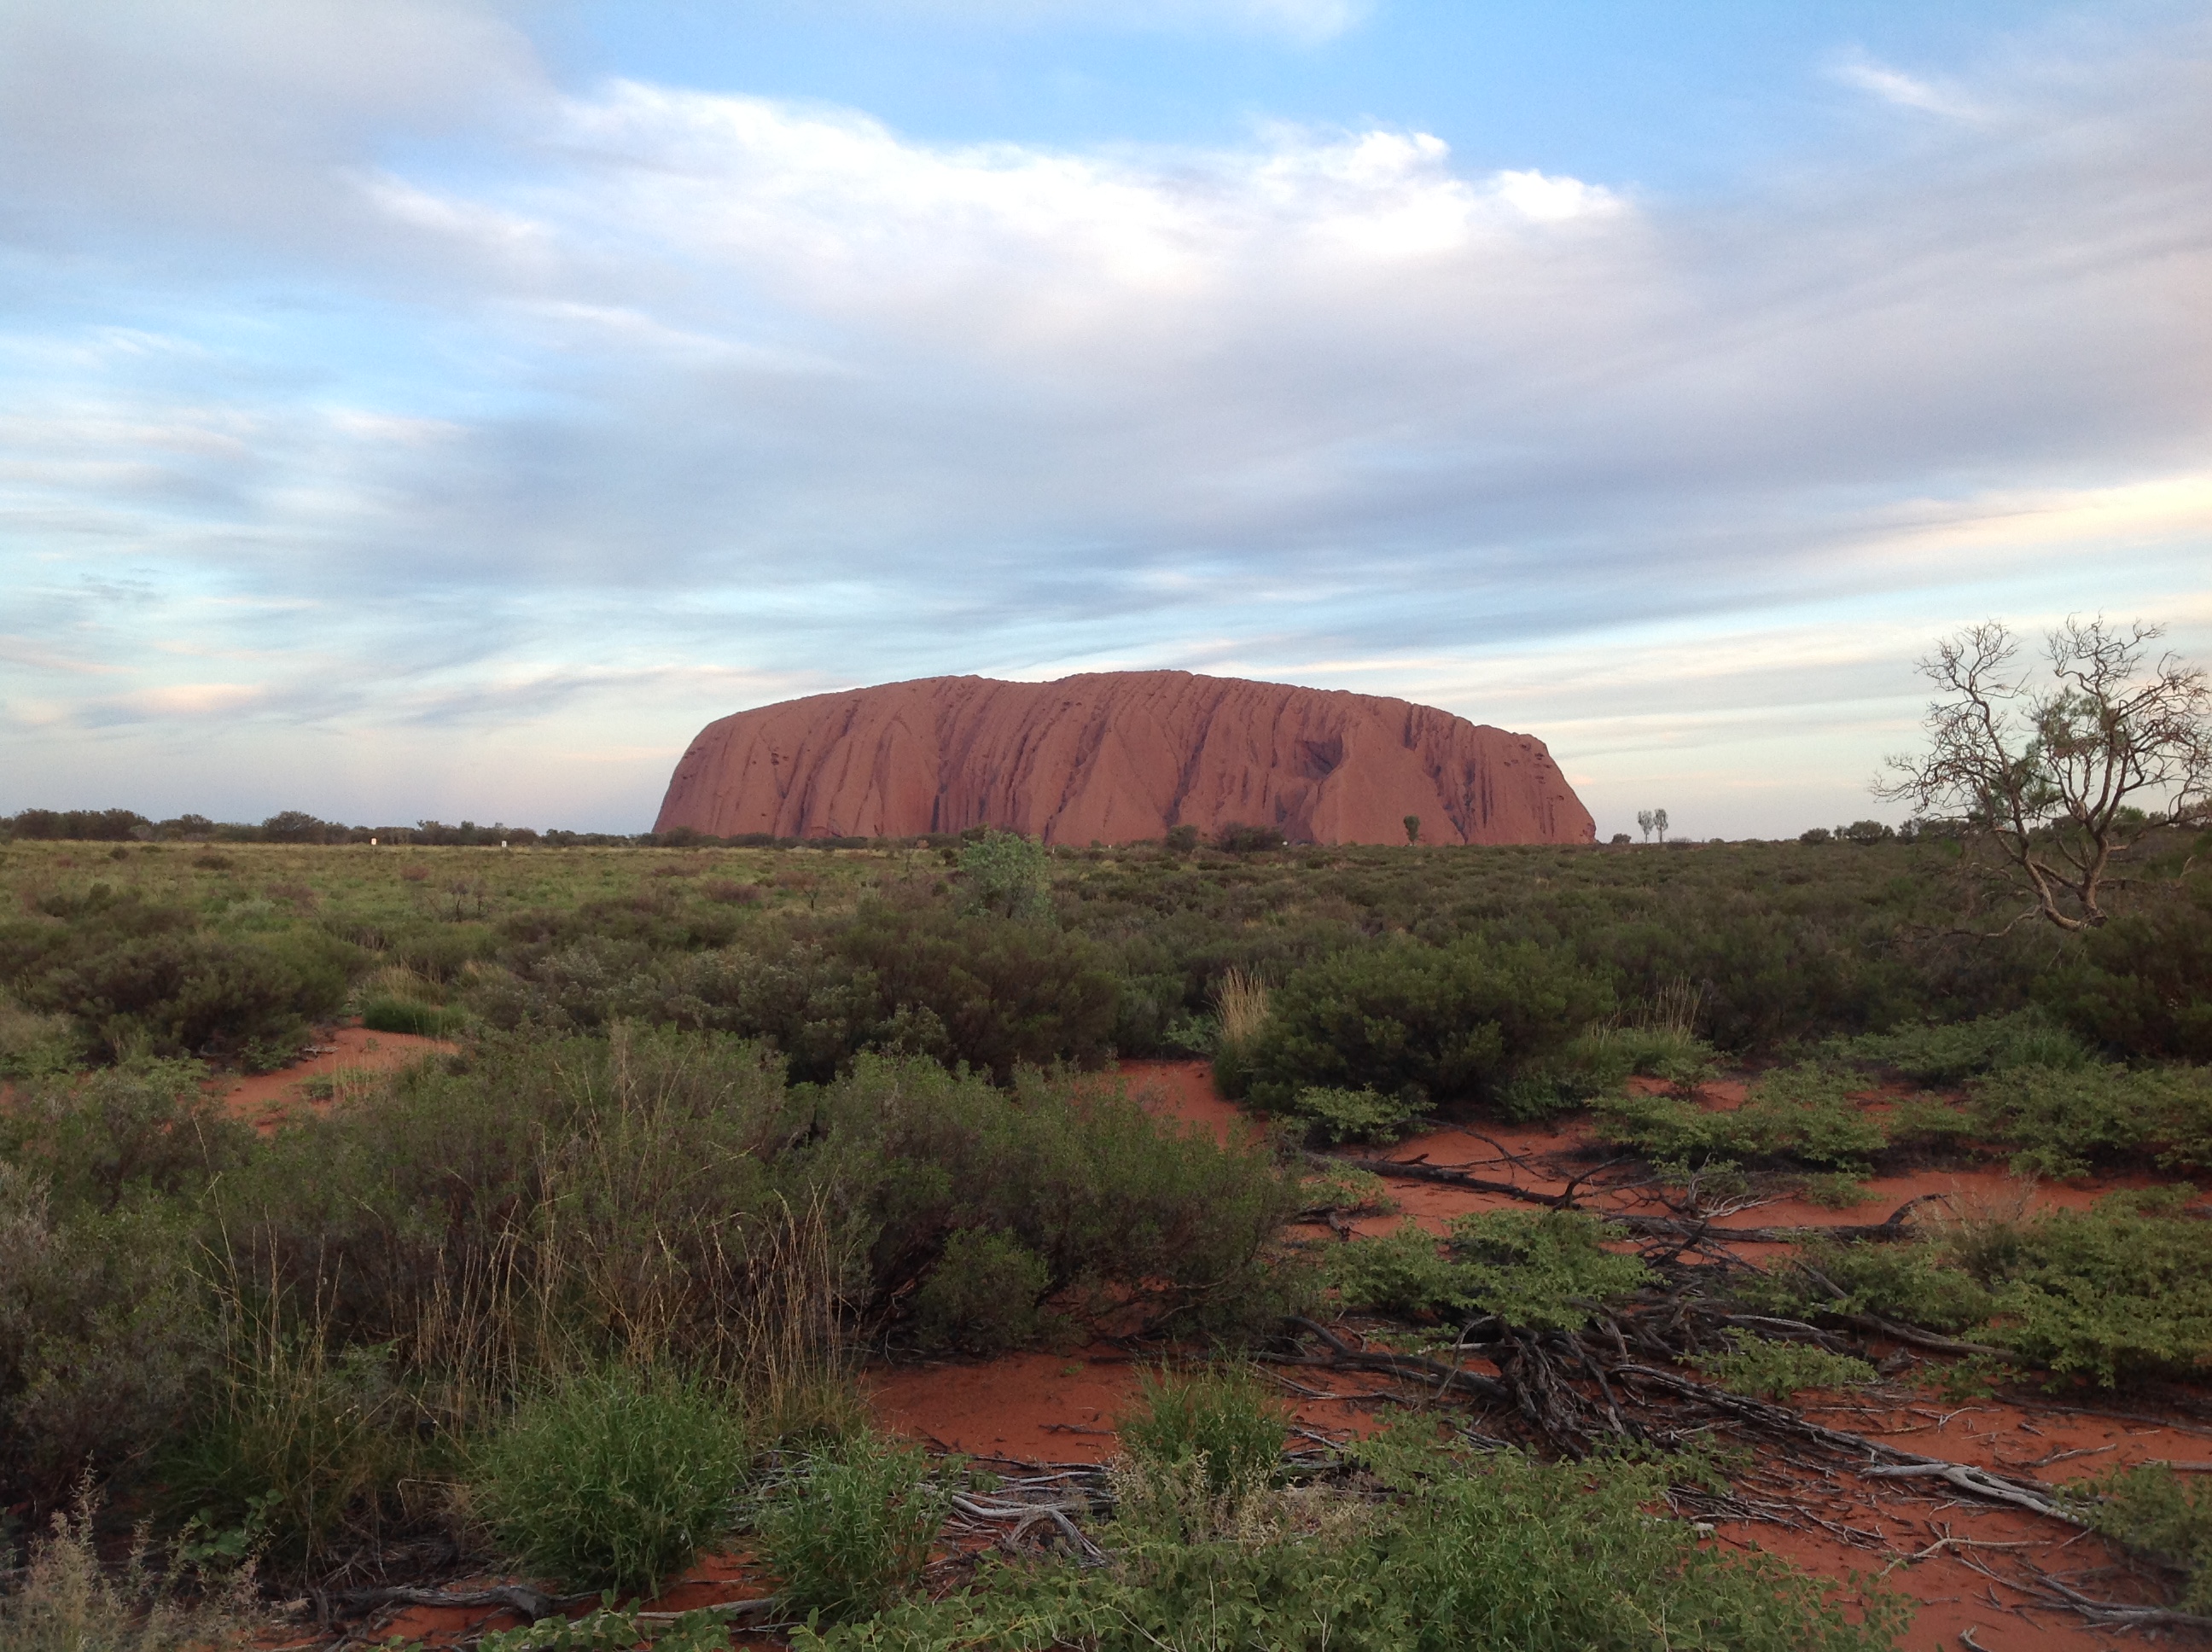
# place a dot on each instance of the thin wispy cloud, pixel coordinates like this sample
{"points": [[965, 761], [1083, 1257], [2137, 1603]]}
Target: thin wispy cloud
{"points": [[1894, 86]]}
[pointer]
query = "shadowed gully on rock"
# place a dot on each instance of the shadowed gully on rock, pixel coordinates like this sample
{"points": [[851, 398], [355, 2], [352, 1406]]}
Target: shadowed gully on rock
{"points": [[1117, 756]]}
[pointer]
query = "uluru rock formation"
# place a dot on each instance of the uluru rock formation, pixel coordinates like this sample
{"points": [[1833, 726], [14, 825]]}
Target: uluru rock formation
{"points": [[1116, 756]]}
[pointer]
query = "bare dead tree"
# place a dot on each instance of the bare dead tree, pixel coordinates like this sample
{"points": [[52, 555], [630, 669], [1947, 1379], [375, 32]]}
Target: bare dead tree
{"points": [[2053, 772]]}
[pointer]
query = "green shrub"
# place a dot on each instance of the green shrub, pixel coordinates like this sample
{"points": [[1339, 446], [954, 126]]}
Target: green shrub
{"points": [[1007, 875], [1340, 1116], [402, 1015], [1940, 1052], [982, 1294], [2148, 1508], [1767, 1369], [1007, 993], [319, 1450], [1536, 1269], [1226, 1422], [2062, 1120], [1436, 1551], [2123, 1291], [612, 1478], [138, 979], [35, 1046], [854, 1532], [1542, 1270], [1428, 1026], [146, 1127], [103, 1337], [1802, 1113]]}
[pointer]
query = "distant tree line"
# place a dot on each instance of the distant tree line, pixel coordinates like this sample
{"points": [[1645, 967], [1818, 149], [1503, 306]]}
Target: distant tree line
{"points": [[290, 826]]}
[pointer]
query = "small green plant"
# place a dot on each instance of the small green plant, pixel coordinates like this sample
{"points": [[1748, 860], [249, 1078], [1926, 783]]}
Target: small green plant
{"points": [[1338, 1115], [2148, 1508], [982, 1294], [612, 1477], [1974, 1377], [1834, 1190], [853, 1533], [1541, 1270], [1802, 1113], [406, 1015], [1223, 1420], [1766, 1369]]}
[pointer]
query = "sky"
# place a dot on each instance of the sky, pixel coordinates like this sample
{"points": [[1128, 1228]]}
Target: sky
{"points": [[429, 409]]}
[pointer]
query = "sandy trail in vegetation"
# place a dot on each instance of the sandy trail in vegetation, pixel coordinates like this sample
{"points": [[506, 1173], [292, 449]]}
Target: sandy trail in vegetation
{"points": [[343, 1058]]}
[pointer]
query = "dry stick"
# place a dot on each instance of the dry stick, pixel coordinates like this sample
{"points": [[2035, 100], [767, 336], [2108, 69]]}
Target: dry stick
{"points": [[1891, 1463], [1448, 1377], [518, 1598]]}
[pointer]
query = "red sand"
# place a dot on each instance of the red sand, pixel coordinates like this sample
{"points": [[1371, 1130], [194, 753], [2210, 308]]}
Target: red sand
{"points": [[347, 1053]]}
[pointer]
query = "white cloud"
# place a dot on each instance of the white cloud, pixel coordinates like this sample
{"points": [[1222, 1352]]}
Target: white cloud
{"points": [[1894, 86], [572, 423]]}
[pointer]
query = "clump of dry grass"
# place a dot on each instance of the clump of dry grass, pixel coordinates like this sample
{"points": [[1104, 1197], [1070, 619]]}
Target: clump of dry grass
{"points": [[1241, 1001]]}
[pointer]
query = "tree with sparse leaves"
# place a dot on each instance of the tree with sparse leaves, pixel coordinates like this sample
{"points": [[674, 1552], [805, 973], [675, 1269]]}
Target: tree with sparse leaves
{"points": [[2052, 769]]}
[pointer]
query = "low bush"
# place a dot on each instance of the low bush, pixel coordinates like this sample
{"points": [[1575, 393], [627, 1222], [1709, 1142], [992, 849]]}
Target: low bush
{"points": [[1224, 1424], [613, 1478], [1767, 1369], [1434, 1550], [403, 1015], [982, 1294], [1428, 1026], [1331, 1116], [2148, 1508], [1801, 1114], [103, 1337], [139, 979], [1546, 1270], [852, 1532], [320, 1452], [1940, 1052], [2063, 1120]]}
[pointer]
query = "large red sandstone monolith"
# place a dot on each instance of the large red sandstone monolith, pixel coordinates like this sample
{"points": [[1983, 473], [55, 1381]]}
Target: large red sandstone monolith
{"points": [[1115, 757]]}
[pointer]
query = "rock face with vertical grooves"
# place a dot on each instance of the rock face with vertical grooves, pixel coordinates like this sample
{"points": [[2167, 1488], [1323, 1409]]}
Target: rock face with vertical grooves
{"points": [[1115, 757]]}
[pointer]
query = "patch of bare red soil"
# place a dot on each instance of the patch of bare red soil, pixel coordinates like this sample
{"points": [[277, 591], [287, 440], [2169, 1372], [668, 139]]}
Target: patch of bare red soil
{"points": [[342, 1061], [1184, 1091]]}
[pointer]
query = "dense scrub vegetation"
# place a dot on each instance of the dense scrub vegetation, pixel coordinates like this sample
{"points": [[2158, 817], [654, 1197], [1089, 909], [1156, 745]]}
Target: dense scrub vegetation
{"points": [[718, 1121]]}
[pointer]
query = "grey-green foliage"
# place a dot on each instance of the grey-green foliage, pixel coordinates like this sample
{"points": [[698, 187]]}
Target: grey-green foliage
{"points": [[103, 1335], [1435, 1549], [982, 1294], [612, 1478], [1333, 1115], [1801, 1111], [1535, 1270], [1224, 1421], [1770, 1369], [1008, 874], [67, 1599], [2062, 1120], [2120, 1291], [2149, 1507], [853, 1531], [1949, 1053]]}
